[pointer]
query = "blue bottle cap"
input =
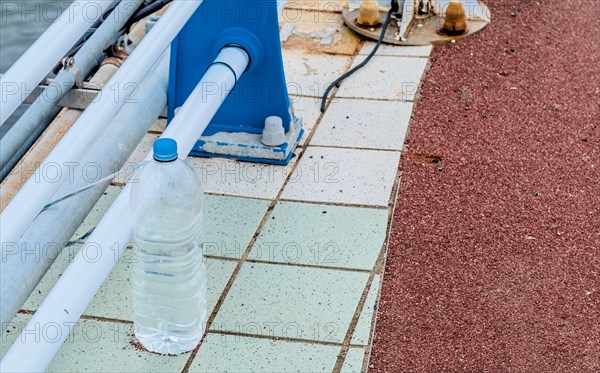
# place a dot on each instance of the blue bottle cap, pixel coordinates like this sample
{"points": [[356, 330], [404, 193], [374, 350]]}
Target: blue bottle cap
{"points": [[165, 150]]}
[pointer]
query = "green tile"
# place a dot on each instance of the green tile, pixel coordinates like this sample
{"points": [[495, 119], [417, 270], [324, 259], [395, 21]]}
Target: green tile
{"points": [[114, 299], [362, 332], [292, 302], [230, 224], [325, 235], [354, 361], [100, 346], [228, 353]]}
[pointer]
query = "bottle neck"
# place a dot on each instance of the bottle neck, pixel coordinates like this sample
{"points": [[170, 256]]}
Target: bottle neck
{"points": [[164, 162]]}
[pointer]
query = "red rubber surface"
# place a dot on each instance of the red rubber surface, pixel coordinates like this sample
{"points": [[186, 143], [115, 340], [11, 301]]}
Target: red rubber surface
{"points": [[494, 254]]}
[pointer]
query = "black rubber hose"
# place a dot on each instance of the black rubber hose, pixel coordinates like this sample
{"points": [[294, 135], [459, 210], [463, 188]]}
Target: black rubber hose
{"points": [[146, 11], [393, 9]]}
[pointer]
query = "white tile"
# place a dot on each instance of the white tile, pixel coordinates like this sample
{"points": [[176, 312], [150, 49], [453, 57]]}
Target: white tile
{"points": [[362, 177], [227, 176], [92, 346], [320, 5], [385, 78], [231, 177], [397, 50], [309, 75], [114, 298], [319, 234], [293, 302], [233, 353], [364, 124], [307, 108], [354, 361], [362, 332]]}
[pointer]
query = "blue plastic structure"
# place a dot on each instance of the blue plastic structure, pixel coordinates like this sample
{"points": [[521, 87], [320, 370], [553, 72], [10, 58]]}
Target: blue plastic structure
{"points": [[236, 129]]}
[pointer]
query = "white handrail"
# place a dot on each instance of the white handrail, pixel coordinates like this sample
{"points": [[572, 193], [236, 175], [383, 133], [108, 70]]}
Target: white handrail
{"points": [[49, 176], [76, 287], [33, 66]]}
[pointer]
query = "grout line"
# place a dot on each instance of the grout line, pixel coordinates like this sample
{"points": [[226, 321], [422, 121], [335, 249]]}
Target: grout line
{"points": [[275, 338], [222, 258], [357, 148], [299, 95], [289, 264], [309, 9], [106, 319], [323, 203], [392, 200], [362, 347], [315, 266], [318, 99], [238, 196], [84, 317], [300, 8], [338, 204], [378, 99], [380, 268], [359, 100], [351, 328], [396, 56]]}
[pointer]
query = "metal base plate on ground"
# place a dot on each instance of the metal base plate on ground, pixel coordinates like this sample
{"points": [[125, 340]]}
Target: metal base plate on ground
{"points": [[423, 31], [248, 146]]}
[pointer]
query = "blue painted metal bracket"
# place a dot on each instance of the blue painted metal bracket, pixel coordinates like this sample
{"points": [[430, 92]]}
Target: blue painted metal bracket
{"points": [[261, 92]]}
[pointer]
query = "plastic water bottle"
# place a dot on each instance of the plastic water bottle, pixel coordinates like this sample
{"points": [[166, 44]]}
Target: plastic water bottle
{"points": [[169, 278]]}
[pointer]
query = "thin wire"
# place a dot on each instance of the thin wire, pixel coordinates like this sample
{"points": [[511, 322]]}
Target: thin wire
{"points": [[145, 11], [82, 238], [138, 166], [339, 80]]}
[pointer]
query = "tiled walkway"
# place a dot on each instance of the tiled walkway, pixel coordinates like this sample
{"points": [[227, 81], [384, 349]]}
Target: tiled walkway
{"points": [[294, 254]]}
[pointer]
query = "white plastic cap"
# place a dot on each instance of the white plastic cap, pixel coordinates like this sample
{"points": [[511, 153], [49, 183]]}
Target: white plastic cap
{"points": [[273, 133]]}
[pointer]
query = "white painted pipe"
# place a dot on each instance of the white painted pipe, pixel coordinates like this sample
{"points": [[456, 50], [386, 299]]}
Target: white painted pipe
{"points": [[33, 66], [20, 272], [49, 176], [30, 125], [69, 298]]}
